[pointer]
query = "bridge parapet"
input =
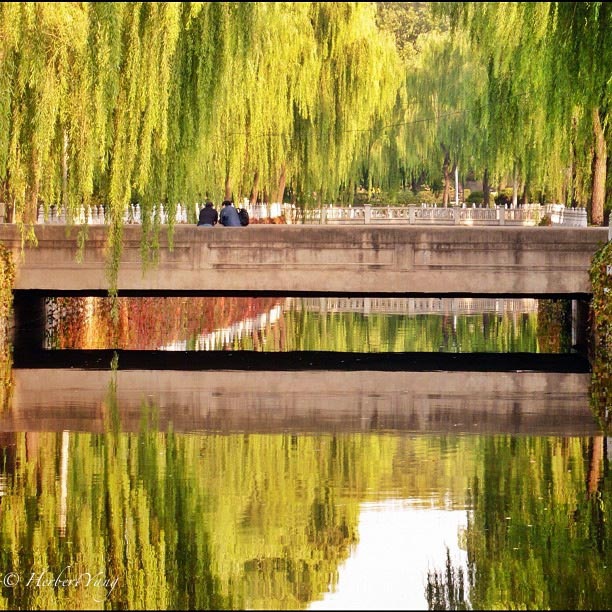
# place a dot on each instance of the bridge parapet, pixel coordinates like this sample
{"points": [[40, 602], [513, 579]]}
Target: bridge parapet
{"points": [[324, 259]]}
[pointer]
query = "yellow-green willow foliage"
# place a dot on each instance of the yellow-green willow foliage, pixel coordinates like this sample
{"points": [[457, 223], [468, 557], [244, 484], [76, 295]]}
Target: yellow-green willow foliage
{"points": [[255, 65], [7, 277], [548, 92], [204, 521], [7, 280], [359, 81], [537, 533], [161, 102], [166, 101], [444, 85], [41, 45]]}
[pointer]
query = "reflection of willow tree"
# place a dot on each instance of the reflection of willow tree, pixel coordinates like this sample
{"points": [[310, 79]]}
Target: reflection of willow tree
{"points": [[168, 515], [446, 590], [203, 521], [355, 332], [538, 533], [146, 323], [554, 325]]}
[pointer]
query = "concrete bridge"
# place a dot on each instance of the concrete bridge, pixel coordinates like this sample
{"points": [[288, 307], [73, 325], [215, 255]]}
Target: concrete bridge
{"points": [[297, 259]]}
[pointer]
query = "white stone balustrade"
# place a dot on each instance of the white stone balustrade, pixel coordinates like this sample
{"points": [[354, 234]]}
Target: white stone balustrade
{"points": [[527, 215]]}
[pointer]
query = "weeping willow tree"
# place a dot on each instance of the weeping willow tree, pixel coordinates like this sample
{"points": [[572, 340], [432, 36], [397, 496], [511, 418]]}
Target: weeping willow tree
{"points": [[247, 93], [358, 81], [160, 103], [548, 92], [42, 46], [87, 105], [440, 129]]}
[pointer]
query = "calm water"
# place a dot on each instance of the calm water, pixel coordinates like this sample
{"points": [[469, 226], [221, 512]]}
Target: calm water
{"points": [[459, 325], [314, 489]]}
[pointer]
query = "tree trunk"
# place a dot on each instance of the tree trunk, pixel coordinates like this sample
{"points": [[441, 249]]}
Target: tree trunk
{"points": [[595, 460], [447, 179], [228, 186], [573, 199], [280, 194], [31, 204], [65, 171], [413, 183], [486, 188], [600, 160], [254, 189], [5, 197], [524, 198]]}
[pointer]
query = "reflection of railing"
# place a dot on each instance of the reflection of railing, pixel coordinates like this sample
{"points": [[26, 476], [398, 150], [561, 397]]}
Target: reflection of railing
{"points": [[229, 335], [411, 306], [529, 214], [226, 336]]}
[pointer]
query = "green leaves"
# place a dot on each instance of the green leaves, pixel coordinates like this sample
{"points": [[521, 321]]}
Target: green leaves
{"points": [[548, 66], [175, 99]]}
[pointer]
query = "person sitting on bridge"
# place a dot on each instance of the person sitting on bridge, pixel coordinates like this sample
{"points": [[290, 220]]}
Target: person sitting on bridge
{"points": [[208, 215], [229, 215]]}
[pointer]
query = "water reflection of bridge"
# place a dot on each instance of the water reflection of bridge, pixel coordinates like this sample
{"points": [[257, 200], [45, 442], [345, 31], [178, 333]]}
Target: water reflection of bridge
{"points": [[222, 401]]}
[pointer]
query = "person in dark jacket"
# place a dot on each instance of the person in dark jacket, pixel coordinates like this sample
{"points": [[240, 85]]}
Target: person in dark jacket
{"points": [[229, 215], [208, 215]]}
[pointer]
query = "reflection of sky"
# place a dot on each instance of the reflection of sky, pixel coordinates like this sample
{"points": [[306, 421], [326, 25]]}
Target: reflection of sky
{"points": [[398, 544]]}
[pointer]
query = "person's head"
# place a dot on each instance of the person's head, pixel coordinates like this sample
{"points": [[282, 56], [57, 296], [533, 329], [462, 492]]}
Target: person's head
{"points": [[227, 203], [209, 203]]}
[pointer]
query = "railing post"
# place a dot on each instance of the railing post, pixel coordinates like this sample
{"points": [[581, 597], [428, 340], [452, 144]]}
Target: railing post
{"points": [[411, 214], [367, 213], [323, 215], [609, 228], [457, 214], [501, 215]]}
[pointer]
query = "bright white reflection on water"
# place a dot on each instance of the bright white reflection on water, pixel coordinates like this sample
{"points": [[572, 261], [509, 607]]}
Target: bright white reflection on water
{"points": [[398, 545]]}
